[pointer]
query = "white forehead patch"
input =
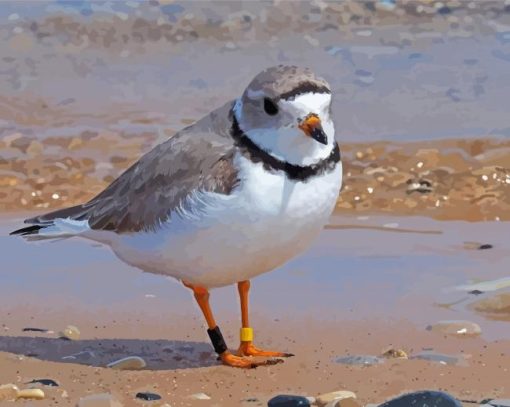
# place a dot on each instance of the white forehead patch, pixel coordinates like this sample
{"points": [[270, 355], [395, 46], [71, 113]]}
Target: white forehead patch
{"points": [[308, 103]]}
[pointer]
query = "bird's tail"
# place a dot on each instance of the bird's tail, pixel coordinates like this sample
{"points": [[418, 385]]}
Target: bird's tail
{"points": [[28, 231], [58, 228]]}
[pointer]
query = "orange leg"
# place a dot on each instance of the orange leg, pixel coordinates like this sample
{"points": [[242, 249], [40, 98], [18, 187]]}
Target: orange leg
{"points": [[247, 348], [202, 298]]}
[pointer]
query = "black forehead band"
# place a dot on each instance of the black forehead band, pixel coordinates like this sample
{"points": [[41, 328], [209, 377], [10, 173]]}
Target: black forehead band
{"points": [[305, 87]]}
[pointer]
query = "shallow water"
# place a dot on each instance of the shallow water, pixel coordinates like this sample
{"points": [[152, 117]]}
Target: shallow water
{"points": [[371, 269]]}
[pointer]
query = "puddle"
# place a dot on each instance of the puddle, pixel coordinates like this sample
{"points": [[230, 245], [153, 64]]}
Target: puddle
{"points": [[366, 273]]}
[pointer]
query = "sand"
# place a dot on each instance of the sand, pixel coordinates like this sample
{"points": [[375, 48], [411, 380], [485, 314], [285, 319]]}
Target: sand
{"points": [[311, 372], [363, 287]]}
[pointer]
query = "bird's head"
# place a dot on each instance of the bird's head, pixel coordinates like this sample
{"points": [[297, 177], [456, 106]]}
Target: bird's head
{"points": [[286, 111]]}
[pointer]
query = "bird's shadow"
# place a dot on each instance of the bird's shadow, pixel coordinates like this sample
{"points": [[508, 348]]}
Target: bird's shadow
{"points": [[158, 354]]}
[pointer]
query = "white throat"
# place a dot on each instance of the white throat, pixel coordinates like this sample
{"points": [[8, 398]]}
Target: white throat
{"points": [[287, 142]]}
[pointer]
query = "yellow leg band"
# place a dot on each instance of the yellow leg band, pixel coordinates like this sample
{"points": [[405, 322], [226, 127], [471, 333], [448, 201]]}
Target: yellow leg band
{"points": [[246, 334]]}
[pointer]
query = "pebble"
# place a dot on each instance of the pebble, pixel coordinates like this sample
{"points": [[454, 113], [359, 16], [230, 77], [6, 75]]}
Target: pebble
{"points": [[8, 392], [423, 399], [200, 396], [365, 360], [395, 354], [34, 394], [99, 400], [29, 329], [422, 186], [497, 403], [456, 328], [45, 382], [498, 304], [285, 400], [148, 396], [348, 402], [70, 332], [128, 363], [326, 398], [438, 357]]}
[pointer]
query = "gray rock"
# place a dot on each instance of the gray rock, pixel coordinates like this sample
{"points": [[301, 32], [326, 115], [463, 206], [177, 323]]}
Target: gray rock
{"points": [[284, 400], [365, 360], [423, 399], [147, 396], [439, 357], [498, 403]]}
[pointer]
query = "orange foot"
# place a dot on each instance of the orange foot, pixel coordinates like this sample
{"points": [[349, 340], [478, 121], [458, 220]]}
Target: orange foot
{"points": [[237, 361], [248, 349]]}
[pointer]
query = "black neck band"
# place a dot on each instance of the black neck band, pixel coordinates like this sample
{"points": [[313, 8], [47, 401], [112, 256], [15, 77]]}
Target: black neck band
{"points": [[294, 172]]}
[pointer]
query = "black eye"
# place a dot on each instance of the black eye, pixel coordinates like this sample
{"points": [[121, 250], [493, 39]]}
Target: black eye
{"points": [[269, 107]]}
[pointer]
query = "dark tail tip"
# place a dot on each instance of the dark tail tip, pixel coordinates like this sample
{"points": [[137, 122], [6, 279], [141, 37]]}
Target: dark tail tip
{"points": [[29, 230]]}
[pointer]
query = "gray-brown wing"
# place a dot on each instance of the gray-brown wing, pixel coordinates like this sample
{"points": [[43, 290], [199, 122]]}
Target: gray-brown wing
{"points": [[197, 158]]}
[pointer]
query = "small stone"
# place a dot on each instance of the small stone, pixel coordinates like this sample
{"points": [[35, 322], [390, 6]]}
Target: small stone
{"points": [[326, 398], [422, 186], [128, 363], [456, 328], [34, 394], [99, 400], [29, 329], [148, 396], [439, 357], [348, 402], [365, 360], [395, 354], [496, 306], [288, 401], [199, 396], [70, 332], [423, 399], [8, 392], [498, 403], [485, 247], [45, 382]]}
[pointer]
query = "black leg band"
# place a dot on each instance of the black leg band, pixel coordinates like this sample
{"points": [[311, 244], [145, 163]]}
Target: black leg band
{"points": [[217, 340]]}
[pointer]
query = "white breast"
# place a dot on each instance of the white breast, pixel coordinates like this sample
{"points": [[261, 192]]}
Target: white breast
{"points": [[223, 239]]}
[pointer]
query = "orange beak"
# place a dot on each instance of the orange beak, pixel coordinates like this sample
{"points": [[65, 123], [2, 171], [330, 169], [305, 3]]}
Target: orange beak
{"points": [[312, 127]]}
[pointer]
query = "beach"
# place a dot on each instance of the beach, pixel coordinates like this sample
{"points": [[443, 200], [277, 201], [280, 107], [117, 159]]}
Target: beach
{"points": [[414, 258]]}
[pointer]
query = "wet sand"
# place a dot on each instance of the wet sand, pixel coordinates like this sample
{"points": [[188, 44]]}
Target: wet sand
{"points": [[367, 284], [443, 179]]}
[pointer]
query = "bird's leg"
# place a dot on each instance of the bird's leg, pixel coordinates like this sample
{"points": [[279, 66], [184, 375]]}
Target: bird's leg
{"points": [[202, 298], [247, 348]]}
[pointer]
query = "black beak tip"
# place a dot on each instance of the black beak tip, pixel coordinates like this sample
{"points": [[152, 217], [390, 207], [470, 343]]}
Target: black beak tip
{"points": [[319, 135]]}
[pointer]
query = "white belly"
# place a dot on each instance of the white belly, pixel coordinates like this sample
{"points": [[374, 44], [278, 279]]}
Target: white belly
{"points": [[265, 222]]}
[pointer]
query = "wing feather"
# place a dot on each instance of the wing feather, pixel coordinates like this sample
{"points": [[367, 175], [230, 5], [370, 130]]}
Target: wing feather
{"points": [[198, 158]]}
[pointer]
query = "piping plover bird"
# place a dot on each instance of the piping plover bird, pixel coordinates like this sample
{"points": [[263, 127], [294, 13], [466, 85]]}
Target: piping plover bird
{"points": [[234, 195]]}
